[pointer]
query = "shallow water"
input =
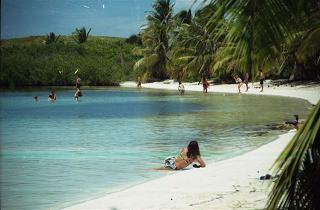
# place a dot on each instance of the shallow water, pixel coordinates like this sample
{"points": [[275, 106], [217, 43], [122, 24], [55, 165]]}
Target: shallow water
{"points": [[57, 154]]}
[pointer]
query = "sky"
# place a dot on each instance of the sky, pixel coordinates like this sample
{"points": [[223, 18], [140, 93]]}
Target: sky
{"points": [[116, 18]]}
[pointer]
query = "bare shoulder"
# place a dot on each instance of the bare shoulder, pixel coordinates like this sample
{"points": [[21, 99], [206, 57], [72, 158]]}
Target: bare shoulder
{"points": [[184, 150]]}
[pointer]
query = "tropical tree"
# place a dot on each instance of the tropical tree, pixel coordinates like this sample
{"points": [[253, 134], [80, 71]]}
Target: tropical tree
{"points": [[134, 39], [51, 38], [193, 48], [155, 38], [298, 167], [301, 52], [252, 32], [184, 16], [81, 35]]}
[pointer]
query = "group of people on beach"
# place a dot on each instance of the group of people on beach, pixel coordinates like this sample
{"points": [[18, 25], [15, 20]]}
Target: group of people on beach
{"points": [[52, 97], [239, 81], [205, 83]]}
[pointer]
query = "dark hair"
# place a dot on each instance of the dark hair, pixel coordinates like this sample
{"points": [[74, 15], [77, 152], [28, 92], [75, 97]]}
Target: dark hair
{"points": [[193, 150]]}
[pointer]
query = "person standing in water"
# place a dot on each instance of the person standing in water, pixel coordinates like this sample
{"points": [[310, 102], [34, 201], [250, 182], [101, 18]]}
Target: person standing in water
{"points": [[36, 98], [52, 96], [187, 156], [77, 95], [261, 78]]}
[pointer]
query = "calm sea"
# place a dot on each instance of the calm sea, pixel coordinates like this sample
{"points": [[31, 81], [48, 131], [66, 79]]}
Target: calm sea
{"points": [[54, 155]]}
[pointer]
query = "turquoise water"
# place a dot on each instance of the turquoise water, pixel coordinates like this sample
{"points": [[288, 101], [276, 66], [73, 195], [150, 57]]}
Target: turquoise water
{"points": [[57, 154]]}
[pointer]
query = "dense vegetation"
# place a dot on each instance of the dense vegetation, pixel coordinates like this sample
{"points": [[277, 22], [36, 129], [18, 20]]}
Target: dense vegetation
{"points": [[222, 38], [49, 60], [227, 37]]}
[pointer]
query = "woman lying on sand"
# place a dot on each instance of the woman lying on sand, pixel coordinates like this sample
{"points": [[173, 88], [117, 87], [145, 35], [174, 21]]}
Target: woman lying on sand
{"points": [[187, 156]]}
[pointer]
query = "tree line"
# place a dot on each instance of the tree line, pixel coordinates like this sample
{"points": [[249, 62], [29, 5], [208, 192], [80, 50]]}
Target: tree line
{"points": [[52, 60], [227, 37]]}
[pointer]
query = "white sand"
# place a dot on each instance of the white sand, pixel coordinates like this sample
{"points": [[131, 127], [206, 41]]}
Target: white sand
{"points": [[228, 184]]}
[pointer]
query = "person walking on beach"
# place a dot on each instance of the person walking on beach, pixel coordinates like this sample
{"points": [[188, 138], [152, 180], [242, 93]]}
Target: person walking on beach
{"points": [[139, 83], [205, 85], [187, 156], [181, 88], [246, 80], [261, 78], [239, 81]]}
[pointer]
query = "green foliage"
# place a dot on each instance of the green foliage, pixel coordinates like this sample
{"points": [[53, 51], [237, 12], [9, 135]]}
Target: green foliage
{"points": [[298, 167], [155, 38], [193, 50], [101, 61], [81, 35], [51, 38], [228, 36], [268, 33], [134, 39], [184, 16]]}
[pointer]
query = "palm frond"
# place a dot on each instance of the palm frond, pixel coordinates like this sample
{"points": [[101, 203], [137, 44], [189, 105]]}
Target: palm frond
{"points": [[298, 167]]}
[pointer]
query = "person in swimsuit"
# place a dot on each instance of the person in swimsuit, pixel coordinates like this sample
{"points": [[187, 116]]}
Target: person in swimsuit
{"points": [[261, 78], [181, 88], [53, 96], [78, 80], [205, 85], [186, 157], [77, 95], [139, 83], [239, 81]]}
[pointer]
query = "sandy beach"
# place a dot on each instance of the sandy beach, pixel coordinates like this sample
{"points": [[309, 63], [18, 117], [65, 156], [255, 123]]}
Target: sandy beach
{"points": [[229, 184]]}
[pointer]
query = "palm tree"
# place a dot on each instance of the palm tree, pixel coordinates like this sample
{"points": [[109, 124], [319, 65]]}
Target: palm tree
{"points": [[134, 39], [301, 53], [184, 16], [193, 49], [81, 35], [51, 38], [252, 32], [266, 33], [155, 38], [298, 166]]}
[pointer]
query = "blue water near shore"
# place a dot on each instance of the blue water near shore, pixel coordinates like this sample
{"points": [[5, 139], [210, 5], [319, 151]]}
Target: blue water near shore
{"points": [[54, 155]]}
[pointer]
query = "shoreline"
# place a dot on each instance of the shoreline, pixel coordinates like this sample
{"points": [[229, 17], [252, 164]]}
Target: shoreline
{"points": [[228, 184], [311, 93]]}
